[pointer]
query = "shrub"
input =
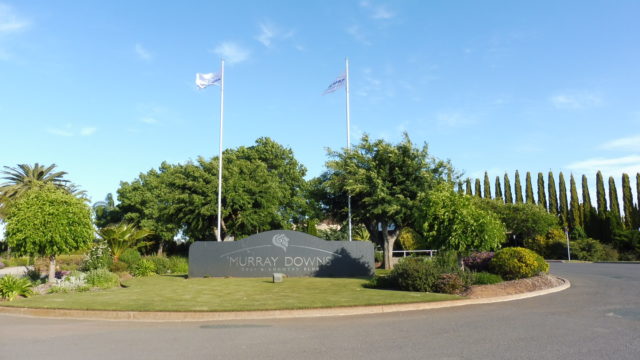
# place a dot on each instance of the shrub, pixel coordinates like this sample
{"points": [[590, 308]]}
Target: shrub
{"points": [[447, 261], [478, 261], [161, 263], [144, 268], [102, 278], [178, 265], [517, 263], [414, 274], [17, 261], [588, 249], [409, 239], [99, 257], [12, 287], [486, 278], [34, 275], [551, 245], [70, 262], [74, 281], [379, 256], [131, 257], [449, 284], [118, 267]]}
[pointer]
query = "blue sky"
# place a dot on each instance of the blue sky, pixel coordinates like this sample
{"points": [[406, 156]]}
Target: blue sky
{"points": [[105, 89]]}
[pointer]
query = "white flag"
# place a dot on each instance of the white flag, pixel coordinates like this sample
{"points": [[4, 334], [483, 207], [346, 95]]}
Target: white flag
{"points": [[338, 83], [204, 80]]}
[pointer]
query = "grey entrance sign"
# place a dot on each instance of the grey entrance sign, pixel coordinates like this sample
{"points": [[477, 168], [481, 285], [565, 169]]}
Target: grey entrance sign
{"points": [[281, 251]]}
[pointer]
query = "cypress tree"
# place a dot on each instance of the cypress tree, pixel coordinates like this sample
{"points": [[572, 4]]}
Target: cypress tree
{"points": [[498, 188], [478, 188], [508, 195], [627, 202], [601, 198], [564, 208], [586, 198], [518, 188], [487, 186], [590, 221], [467, 184], [637, 223], [542, 196], [553, 197], [529, 189], [460, 189], [614, 205], [576, 217]]}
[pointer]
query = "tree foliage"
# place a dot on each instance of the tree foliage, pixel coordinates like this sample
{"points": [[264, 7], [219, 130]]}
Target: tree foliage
{"points": [[455, 222], [47, 221], [384, 181]]}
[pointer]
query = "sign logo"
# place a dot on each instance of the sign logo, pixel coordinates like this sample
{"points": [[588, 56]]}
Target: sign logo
{"points": [[281, 241]]}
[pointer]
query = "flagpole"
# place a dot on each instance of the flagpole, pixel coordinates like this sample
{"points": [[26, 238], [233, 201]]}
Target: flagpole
{"points": [[219, 232], [348, 136]]}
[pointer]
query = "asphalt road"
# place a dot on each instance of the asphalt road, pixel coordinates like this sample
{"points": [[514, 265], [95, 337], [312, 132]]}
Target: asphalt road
{"points": [[597, 318]]}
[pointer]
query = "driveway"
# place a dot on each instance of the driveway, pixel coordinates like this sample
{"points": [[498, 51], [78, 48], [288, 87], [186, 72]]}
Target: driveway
{"points": [[597, 318]]}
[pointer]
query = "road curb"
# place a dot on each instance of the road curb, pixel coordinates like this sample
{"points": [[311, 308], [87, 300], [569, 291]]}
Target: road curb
{"points": [[158, 316]]}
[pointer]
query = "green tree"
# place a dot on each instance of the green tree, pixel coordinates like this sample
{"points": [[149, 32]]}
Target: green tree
{"points": [[498, 188], [590, 218], [478, 188], [123, 236], [523, 221], [454, 222], [468, 187], [487, 186], [106, 212], [460, 188], [564, 206], [529, 189], [47, 221], [627, 202], [553, 197], [637, 223], [518, 188], [385, 182], [542, 196], [508, 196], [600, 195], [614, 205], [575, 218], [25, 177]]}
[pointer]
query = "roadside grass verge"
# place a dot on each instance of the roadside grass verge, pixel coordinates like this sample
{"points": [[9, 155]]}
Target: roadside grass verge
{"points": [[176, 293]]}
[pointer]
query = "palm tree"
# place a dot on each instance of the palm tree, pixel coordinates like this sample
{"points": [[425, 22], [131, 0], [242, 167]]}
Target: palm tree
{"points": [[123, 236], [25, 177]]}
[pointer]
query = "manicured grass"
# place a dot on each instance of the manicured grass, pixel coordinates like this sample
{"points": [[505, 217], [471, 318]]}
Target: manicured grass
{"points": [[175, 293]]}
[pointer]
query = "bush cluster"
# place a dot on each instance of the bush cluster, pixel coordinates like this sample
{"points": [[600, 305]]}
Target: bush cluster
{"points": [[12, 287], [478, 261], [102, 278], [99, 257], [517, 263], [144, 267], [486, 278], [588, 250], [131, 257]]}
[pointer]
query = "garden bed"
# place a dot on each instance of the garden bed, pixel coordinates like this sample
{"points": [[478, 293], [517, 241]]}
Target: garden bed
{"points": [[513, 287]]}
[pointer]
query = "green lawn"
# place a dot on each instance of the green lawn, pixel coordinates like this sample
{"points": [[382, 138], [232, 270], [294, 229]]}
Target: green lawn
{"points": [[175, 293]]}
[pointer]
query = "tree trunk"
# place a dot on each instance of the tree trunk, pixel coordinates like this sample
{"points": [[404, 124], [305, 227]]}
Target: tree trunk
{"points": [[52, 268], [389, 240], [160, 248]]}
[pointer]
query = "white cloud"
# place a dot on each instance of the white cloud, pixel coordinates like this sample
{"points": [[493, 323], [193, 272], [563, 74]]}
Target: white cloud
{"points": [[454, 119], [267, 33], [9, 21], [232, 52], [86, 131], [576, 100], [356, 32], [630, 143], [60, 132], [378, 12], [149, 120], [142, 52], [629, 164]]}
